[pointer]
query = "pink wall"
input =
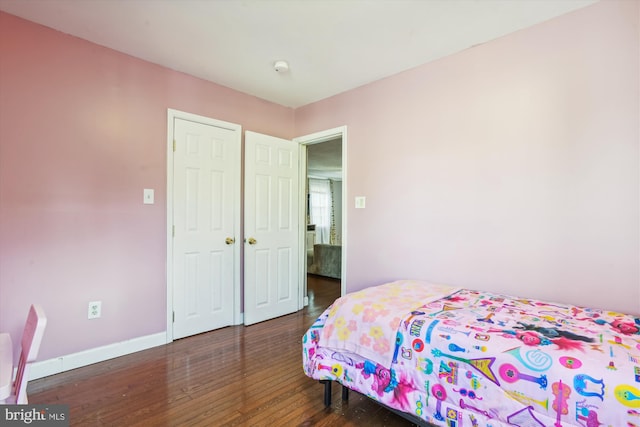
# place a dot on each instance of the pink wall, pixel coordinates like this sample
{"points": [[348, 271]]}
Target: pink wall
{"points": [[512, 166], [82, 132]]}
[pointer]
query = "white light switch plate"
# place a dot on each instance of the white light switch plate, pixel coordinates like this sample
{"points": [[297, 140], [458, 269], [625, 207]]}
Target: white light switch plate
{"points": [[360, 202], [147, 196]]}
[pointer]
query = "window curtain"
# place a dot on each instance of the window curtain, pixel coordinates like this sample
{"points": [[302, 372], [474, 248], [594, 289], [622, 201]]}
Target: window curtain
{"points": [[333, 237], [320, 207]]}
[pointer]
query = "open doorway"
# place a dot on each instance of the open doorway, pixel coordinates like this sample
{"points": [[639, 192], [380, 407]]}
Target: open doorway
{"points": [[324, 209], [323, 173]]}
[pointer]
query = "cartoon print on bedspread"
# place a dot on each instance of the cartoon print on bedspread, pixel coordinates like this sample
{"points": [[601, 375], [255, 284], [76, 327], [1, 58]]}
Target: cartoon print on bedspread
{"points": [[537, 328], [480, 359], [388, 381], [584, 384]]}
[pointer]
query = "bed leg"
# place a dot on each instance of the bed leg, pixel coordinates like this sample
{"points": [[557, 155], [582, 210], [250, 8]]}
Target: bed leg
{"points": [[327, 392], [345, 394]]}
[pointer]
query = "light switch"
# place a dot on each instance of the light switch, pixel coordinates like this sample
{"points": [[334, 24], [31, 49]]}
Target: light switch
{"points": [[360, 202], [147, 197]]}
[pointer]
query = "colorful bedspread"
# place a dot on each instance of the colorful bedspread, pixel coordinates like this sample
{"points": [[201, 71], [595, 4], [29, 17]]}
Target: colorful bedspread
{"points": [[475, 359], [366, 322]]}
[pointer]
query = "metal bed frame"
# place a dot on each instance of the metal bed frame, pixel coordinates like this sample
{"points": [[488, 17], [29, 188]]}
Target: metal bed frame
{"points": [[345, 398]]}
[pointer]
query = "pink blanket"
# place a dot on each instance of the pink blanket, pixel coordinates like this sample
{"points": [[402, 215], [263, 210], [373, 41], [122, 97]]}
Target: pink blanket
{"points": [[366, 322]]}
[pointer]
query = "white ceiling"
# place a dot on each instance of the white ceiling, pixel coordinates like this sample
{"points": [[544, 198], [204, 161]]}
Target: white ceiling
{"points": [[324, 160], [331, 45]]}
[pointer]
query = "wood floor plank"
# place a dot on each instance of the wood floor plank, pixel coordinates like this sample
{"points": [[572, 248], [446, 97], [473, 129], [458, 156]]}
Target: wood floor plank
{"points": [[235, 376]]}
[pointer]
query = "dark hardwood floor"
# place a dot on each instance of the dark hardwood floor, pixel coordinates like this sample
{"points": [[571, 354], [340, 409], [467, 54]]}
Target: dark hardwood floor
{"points": [[235, 376]]}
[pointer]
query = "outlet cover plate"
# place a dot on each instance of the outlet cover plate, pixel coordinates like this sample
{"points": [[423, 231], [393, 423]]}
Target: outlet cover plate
{"points": [[95, 310]]}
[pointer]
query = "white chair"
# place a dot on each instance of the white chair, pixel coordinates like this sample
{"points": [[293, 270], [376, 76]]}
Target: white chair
{"points": [[31, 339]]}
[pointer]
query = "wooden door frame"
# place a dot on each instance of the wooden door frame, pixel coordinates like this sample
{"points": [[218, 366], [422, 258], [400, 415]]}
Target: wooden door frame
{"points": [[171, 116], [304, 141]]}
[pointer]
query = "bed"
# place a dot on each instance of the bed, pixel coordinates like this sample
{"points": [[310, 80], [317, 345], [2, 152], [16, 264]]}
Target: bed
{"points": [[455, 357]]}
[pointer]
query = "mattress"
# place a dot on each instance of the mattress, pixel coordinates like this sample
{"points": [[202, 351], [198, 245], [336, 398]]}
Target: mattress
{"points": [[460, 357]]}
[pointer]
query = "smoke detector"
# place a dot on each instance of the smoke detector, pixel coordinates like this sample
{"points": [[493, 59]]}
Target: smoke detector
{"points": [[281, 66]]}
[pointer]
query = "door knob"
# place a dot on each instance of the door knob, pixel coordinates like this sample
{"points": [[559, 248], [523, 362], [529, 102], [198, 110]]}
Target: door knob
{"points": [[252, 241], [229, 240]]}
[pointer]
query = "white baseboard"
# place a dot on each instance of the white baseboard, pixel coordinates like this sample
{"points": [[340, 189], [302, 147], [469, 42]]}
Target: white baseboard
{"points": [[48, 367]]}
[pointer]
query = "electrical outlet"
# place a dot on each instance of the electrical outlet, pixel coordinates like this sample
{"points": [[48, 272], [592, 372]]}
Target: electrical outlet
{"points": [[95, 309]]}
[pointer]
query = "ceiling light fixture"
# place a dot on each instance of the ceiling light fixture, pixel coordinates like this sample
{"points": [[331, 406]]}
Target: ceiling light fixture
{"points": [[281, 66]]}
